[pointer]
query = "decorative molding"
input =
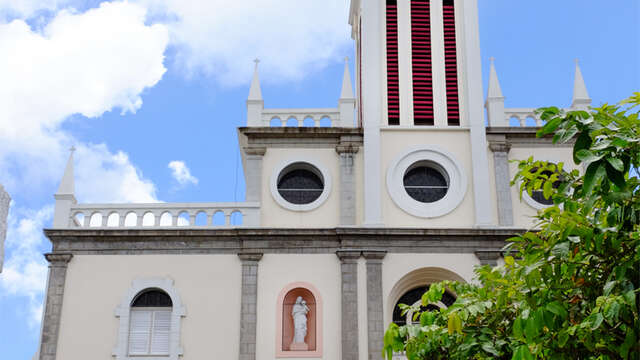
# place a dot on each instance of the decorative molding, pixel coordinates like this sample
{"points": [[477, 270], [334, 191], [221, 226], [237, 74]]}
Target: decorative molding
{"points": [[503, 147], [248, 305], [280, 321], [255, 150], [250, 257], [123, 312], [488, 256], [54, 298], [58, 259], [326, 180], [439, 157]]}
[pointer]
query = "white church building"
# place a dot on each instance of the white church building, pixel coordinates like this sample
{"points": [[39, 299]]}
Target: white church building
{"points": [[348, 212]]}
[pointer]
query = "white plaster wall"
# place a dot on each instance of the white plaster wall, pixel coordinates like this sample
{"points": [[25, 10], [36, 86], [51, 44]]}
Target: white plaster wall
{"points": [[396, 266], [523, 213], [209, 287], [457, 142], [275, 271], [326, 215]]}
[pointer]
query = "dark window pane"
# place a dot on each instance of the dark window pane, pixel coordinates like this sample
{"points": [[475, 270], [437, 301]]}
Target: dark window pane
{"points": [[425, 184], [538, 195], [413, 296], [300, 186], [152, 298]]}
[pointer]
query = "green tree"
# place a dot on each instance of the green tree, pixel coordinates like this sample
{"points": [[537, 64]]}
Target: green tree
{"points": [[569, 290]]}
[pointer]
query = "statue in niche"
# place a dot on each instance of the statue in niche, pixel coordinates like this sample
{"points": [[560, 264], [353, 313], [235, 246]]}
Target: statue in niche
{"points": [[299, 314]]}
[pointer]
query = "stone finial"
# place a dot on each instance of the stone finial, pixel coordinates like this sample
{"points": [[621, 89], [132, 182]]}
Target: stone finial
{"points": [[347, 90], [65, 196], [67, 186], [495, 92], [495, 100], [255, 93], [581, 99]]}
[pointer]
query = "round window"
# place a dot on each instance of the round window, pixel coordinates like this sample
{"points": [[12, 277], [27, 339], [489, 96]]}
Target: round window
{"points": [[300, 183], [538, 195], [426, 182]]}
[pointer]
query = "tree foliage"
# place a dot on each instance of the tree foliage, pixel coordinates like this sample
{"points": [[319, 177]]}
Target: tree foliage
{"points": [[569, 290]]}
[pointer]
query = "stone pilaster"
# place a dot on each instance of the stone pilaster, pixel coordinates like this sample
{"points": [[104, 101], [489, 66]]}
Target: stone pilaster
{"points": [[248, 307], [349, 274], [347, 183], [489, 256], [503, 179], [253, 172], [375, 320], [53, 304]]}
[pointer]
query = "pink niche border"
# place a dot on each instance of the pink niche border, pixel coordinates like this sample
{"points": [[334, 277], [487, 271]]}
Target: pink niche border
{"points": [[299, 354]]}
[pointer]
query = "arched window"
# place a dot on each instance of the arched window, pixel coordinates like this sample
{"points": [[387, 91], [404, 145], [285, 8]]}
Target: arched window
{"points": [[414, 297], [150, 323], [150, 316]]}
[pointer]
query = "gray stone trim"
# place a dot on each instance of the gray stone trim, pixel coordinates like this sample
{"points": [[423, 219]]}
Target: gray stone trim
{"points": [[299, 137], [248, 305], [503, 184], [488, 256], [349, 282], [522, 137], [53, 304], [347, 183], [280, 241], [375, 321]]}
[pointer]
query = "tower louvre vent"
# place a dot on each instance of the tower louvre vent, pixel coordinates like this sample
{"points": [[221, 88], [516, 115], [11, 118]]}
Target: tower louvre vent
{"points": [[421, 62], [451, 63], [393, 84]]}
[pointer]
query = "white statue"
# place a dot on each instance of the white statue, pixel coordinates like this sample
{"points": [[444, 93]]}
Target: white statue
{"points": [[299, 314]]}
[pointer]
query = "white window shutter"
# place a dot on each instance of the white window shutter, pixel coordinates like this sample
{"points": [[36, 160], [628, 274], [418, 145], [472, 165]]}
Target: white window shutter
{"points": [[160, 332], [140, 332]]}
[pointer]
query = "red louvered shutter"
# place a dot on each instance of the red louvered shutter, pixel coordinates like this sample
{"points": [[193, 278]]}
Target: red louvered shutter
{"points": [[421, 62], [451, 63], [393, 83]]}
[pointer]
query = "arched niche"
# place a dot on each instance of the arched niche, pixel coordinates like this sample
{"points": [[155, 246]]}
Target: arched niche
{"points": [[419, 280], [285, 326]]}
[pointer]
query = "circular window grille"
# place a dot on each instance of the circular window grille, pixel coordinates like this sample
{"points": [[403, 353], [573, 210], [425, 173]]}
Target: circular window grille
{"points": [[426, 182], [300, 183]]}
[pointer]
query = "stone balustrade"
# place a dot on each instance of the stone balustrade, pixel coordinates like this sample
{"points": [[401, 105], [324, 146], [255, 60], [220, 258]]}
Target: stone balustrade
{"points": [[522, 114], [300, 115], [165, 215]]}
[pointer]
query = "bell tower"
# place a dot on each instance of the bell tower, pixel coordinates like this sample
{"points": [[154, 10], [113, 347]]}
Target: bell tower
{"points": [[419, 72]]}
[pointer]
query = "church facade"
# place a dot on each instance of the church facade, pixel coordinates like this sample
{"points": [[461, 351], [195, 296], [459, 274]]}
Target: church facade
{"points": [[349, 211]]}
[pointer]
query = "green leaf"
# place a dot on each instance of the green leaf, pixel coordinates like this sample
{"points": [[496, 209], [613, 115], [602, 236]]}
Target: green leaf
{"points": [[518, 328], [587, 156], [563, 337], [488, 347], [582, 142], [596, 320], [616, 177], [558, 309], [561, 250], [532, 328], [616, 163], [595, 172], [629, 342], [509, 260], [522, 353], [550, 127], [608, 287], [547, 189]]}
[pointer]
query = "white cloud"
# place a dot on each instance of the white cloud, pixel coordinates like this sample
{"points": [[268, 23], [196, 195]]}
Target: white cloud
{"points": [[28, 8], [25, 270], [181, 173], [222, 37], [85, 64]]}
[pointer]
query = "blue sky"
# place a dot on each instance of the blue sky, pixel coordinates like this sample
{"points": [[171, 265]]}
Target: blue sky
{"points": [[140, 84]]}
